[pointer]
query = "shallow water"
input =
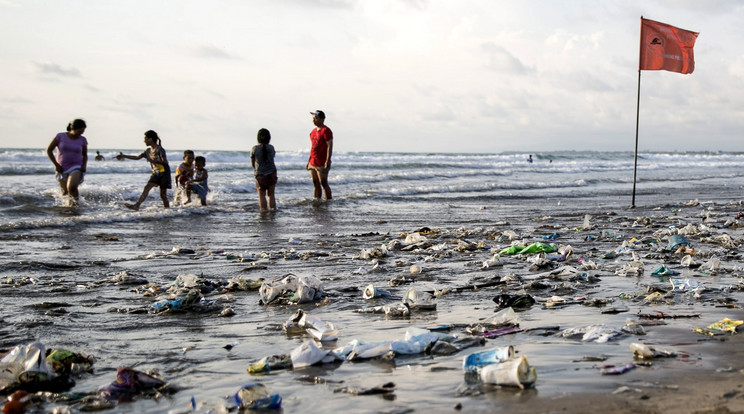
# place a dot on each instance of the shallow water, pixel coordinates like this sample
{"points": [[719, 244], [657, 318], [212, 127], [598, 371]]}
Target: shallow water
{"points": [[53, 254]]}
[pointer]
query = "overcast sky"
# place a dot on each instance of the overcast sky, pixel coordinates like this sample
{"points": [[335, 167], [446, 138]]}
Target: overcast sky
{"points": [[392, 75]]}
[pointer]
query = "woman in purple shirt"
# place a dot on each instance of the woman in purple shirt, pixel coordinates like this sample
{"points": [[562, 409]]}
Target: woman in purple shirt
{"points": [[71, 159]]}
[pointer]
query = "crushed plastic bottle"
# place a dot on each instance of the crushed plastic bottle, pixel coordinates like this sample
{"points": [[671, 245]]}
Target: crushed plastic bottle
{"points": [[256, 396]]}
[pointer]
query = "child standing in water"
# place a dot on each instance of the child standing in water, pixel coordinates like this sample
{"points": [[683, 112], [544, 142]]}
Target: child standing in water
{"points": [[184, 174], [199, 183], [161, 173], [262, 160]]}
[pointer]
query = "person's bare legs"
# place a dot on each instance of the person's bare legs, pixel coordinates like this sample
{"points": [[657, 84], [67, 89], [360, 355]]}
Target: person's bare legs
{"points": [[63, 187], [324, 184], [261, 199], [73, 181], [142, 197], [317, 188], [320, 184], [164, 197], [272, 199]]}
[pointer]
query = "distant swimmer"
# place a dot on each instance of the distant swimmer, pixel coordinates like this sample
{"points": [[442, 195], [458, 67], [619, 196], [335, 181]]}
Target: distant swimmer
{"points": [[529, 159], [99, 157]]}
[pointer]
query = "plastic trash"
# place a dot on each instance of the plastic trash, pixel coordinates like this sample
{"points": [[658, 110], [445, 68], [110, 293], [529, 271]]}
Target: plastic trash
{"points": [[474, 362], [17, 402], [503, 317], [414, 238], [688, 261], [416, 299], [663, 270], [257, 397], [309, 354], [537, 247], [643, 351], [309, 288], [515, 372], [679, 285], [613, 370], [397, 310], [130, 382], [493, 261], [30, 358], [725, 325], [371, 292], [271, 362], [318, 329], [596, 333], [514, 301], [676, 241]]}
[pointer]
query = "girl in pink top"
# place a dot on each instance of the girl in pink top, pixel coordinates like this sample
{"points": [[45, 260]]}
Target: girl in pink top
{"points": [[71, 159]]}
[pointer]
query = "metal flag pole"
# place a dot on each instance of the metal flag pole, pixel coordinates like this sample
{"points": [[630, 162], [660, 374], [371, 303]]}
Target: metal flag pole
{"points": [[638, 113]]}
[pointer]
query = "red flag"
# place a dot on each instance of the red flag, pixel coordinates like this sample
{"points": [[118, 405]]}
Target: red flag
{"points": [[665, 47]]}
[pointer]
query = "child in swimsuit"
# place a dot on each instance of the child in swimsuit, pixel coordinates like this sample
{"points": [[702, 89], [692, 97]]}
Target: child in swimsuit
{"points": [[184, 174], [199, 183]]}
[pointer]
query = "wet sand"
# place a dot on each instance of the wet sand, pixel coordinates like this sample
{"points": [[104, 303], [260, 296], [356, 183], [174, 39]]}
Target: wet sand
{"points": [[78, 268]]}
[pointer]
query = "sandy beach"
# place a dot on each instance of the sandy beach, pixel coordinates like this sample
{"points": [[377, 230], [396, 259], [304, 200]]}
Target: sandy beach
{"points": [[109, 285]]}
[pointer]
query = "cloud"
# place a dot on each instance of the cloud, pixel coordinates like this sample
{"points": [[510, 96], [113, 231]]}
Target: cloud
{"points": [[329, 4], [55, 69], [211, 52], [501, 60]]}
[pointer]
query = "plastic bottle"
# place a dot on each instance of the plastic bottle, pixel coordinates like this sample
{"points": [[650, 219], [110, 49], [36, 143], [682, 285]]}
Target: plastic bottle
{"points": [[473, 363], [257, 397]]}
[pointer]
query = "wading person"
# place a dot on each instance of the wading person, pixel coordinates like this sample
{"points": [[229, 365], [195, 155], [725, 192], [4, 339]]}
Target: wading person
{"points": [[321, 149], [71, 159]]}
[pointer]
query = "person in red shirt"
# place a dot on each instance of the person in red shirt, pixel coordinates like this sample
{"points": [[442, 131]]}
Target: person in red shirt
{"points": [[319, 163]]}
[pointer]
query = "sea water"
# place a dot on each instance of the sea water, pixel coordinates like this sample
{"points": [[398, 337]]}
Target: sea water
{"points": [[57, 264]]}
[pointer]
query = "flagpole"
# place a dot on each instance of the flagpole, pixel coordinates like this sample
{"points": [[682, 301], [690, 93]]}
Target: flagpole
{"points": [[638, 114], [635, 162]]}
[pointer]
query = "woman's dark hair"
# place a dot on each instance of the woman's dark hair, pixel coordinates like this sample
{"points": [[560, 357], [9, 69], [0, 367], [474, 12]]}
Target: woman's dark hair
{"points": [[76, 124], [264, 137], [154, 135]]}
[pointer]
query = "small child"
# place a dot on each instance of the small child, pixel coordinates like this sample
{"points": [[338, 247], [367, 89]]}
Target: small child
{"points": [[262, 160], [184, 174], [199, 182], [161, 173]]}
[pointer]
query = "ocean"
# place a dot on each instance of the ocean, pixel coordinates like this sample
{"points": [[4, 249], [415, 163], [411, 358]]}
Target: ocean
{"points": [[66, 273]]}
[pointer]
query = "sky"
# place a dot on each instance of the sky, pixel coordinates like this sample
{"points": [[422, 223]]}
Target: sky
{"points": [[465, 76]]}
